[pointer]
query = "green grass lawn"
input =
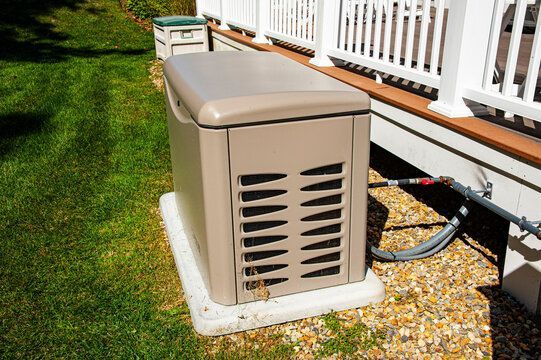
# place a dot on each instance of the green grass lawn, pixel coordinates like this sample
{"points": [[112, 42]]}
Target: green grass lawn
{"points": [[85, 268]]}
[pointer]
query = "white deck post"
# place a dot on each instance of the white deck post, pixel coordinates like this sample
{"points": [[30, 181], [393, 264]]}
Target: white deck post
{"points": [[326, 21], [199, 8], [223, 15], [464, 57], [262, 22]]}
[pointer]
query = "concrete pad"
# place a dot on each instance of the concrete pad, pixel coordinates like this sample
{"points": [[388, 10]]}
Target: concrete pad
{"points": [[210, 318]]}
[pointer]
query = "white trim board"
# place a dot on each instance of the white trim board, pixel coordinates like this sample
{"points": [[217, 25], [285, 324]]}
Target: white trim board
{"points": [[210, 318]]}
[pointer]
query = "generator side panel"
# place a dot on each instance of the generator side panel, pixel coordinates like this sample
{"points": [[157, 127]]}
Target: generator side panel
{"points": [[291, 190], [359, 198], [200, 167]]}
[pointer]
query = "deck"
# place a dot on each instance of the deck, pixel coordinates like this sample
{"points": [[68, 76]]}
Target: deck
{"points": [[482, 129]]}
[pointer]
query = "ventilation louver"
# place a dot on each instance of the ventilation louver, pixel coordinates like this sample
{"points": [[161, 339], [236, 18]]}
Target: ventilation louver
{"points": [[267, 236]]}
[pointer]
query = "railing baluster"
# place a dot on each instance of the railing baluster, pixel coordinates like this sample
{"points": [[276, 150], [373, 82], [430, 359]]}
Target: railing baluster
{"points": [[343, 16], [270, 15], [368, 27], [311, 19], [253, 12], [533, 67], [245, 11], [294, 18], [360, 19], [436, 39], [411, 33], [288, 17], [377, 29], [388, 29], [275, 15], [240, 9], [297, 18], [423, 36], [229, 10], [514, 47], [351, 25], [399, 31], [249, 12], [281, 16], [304, 19]]}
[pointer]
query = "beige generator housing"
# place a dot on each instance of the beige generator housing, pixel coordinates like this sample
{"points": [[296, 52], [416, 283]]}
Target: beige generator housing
{"points": [[175, 35], [270, 169]]}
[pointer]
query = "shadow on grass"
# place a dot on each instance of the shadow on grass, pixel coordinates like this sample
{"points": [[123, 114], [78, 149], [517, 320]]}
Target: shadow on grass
{"points": [[84, 273], [14, 126], [27, 37]]}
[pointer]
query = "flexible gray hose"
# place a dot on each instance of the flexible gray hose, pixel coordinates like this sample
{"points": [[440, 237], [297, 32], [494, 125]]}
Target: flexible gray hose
{"points": [[448, 231], [442, 237], [440, 246], [429, 247]]}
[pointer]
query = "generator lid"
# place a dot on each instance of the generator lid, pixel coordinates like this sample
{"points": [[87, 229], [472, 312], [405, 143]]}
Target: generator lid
{"points": [[234, 88], [178, 21]]}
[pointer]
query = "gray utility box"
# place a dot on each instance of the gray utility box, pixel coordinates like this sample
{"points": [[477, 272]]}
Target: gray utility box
{"points": [[175, 35], [270, 169]]}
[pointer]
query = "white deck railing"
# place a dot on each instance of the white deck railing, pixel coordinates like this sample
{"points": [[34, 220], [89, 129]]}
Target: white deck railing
{"points": [[515, 95], [210, 8], [379, 45], [293, 21], [404, 38], [242, 14]]}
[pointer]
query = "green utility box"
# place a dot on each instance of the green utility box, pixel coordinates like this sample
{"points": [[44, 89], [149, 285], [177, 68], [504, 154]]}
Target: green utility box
{"points": [[174, 35]]}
